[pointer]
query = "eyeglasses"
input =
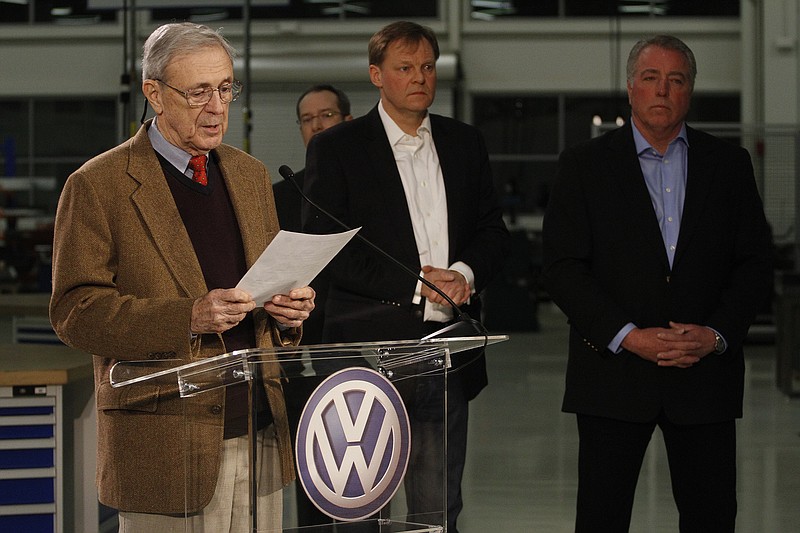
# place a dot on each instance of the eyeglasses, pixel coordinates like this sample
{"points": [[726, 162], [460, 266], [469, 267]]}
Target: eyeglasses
{"points": [[325, 117], [228, 92]]}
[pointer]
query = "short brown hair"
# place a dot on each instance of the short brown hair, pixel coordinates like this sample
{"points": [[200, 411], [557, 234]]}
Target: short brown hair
{"points": [[403, 30]]}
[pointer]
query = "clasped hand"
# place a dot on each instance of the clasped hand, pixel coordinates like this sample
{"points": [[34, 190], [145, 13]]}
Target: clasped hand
{"points": [[680, 345], [222, 309], [450, 282]]}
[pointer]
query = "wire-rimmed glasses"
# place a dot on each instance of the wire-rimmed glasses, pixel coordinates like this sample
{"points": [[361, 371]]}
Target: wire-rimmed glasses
{"points": [[326, 117], [228, 92]]}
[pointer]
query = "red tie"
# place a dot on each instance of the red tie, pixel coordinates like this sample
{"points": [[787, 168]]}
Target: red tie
{"points": [[198, 166]]}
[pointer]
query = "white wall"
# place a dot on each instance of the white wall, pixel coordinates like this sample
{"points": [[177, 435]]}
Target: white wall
{"points": [[781, 62], [59, 61], [582, 56]]}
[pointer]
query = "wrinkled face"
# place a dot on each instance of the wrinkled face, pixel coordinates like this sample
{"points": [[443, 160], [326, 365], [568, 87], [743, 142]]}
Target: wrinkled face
{"points": [[660, 92], [318, 111], [194, 129], [406, 78]]}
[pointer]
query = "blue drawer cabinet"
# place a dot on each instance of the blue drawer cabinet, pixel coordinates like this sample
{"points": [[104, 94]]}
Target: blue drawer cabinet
{"points": [[31, 470], [47, 438]]}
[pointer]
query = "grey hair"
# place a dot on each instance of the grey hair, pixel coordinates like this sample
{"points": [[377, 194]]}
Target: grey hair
{"points": [[171, 40], [667, 42]]}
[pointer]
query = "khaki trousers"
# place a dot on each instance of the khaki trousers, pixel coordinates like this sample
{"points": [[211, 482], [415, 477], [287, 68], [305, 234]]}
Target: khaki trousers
{"points": [[229, 509]]}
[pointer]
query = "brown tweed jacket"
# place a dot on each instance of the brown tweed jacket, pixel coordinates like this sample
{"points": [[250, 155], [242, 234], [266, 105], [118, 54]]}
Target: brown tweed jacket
{"points": [[125, 276]]}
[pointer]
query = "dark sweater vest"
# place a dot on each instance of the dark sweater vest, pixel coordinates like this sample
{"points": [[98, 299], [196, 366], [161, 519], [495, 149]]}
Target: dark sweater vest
{"points": [[210, 221]]}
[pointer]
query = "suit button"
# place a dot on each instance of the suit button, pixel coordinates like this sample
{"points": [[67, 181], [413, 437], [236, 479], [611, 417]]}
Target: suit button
{"points": [[216, 409], [417, 313]]}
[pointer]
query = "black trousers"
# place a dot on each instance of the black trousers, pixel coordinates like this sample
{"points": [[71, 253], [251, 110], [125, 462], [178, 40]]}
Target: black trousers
{"points": [[702, 465]]}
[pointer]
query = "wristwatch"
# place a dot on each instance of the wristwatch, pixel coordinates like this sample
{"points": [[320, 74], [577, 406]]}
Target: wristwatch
{"points": [[719, 343]]}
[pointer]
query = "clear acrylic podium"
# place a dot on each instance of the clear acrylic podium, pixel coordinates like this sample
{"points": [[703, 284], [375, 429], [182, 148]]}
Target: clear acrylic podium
{"points": [[362, 413]]}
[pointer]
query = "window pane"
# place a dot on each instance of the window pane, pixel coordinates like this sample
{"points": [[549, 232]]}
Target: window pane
{"points": [[693, 8], [305, 9], [64, 128], [200, 15], [70, 12], [64, 133], [523, 186], [604, 8], [11, 13], [715, 108], [540, 8], [580, 110], [14, 134], [518, 125], [670, 8]]}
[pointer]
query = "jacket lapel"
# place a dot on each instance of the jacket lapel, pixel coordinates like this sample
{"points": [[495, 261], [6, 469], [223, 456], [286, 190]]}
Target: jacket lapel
{"points": [[624, 165], [244, 194], [384, 171], [698, 186], [453, 163]]}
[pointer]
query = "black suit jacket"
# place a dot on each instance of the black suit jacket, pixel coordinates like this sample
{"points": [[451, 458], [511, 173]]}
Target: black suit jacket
{"points": [[351, 172], [289, 204], [605, 266]]}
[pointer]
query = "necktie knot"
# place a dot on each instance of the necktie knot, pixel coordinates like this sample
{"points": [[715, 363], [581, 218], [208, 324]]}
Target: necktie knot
{"points": [[198, 166]]}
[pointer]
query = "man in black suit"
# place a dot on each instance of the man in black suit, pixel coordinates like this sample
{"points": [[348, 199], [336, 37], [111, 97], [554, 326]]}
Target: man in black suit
{"points": [[420, 187], [657, 249]]}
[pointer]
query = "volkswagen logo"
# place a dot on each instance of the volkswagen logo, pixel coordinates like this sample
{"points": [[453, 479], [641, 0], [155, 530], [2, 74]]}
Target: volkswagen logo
{"points": [[353, 444]]}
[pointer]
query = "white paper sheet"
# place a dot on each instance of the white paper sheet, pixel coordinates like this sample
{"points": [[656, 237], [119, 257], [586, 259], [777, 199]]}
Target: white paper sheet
{"points": [[290, 261]]}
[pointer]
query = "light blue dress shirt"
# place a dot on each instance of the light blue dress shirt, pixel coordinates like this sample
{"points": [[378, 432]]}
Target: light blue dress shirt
{"points": [[665, 177], [174, 155]]}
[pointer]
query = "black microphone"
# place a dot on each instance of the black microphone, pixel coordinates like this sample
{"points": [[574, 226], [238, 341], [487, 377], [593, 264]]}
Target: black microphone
{"points": [[464, 325]]}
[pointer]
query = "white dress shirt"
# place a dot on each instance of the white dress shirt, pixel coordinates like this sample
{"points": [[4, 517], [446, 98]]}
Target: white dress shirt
{"points": [[423, 183]]}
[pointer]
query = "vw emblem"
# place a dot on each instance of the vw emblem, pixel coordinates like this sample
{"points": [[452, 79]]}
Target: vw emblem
{"points": [[353, 444]]}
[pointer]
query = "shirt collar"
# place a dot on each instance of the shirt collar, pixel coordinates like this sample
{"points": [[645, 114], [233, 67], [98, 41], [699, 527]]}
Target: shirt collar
{"points": [[393, 131], [174, 155], [642, 145]]}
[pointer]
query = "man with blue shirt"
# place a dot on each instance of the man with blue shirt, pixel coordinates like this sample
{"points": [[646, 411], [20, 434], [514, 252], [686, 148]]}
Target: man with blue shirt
{"points": [[657, 249]]}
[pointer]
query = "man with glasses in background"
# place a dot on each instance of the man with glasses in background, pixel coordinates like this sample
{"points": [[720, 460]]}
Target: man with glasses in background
{"points": [[150, 238], [321, 107]]}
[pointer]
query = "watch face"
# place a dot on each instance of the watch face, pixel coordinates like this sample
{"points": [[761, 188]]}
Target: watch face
{"points": [[719, 346]]}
